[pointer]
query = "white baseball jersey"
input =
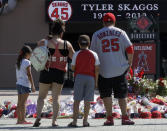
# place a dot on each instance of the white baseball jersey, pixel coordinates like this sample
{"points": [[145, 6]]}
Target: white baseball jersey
{"points": [[110, 43]]}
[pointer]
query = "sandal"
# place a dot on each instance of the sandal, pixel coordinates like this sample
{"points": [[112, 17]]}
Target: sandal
{"points": [[55, 125], [71, 125], [36, 124]]}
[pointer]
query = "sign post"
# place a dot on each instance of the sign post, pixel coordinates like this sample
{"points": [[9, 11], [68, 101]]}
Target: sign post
{"points": [[158, 47], [94, 10], [144, 32]]}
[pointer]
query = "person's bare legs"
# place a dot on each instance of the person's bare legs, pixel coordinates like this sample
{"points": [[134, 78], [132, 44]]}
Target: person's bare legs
{"points": [[18, 109], [75, 112], [108, 105], [56, 92], [123, 106], [43, 91], [23, 106], [86, 112], [125, 117]]}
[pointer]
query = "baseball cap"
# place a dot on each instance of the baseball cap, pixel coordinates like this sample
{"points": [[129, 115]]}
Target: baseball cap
{"points": [[156, 115], [145, 115], [84, 40], [109, 17]]}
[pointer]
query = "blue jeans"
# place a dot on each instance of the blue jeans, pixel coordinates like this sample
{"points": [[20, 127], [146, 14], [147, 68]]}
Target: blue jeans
{"points": [[22, 89]]}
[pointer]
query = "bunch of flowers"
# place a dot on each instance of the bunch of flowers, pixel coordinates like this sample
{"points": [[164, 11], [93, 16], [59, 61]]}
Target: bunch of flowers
{"points": [[139, 84], [161, 87]]}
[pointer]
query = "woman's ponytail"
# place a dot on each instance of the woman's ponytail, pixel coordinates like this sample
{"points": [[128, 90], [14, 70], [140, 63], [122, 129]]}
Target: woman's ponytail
{"points": [[25, 50], [19, 59]]}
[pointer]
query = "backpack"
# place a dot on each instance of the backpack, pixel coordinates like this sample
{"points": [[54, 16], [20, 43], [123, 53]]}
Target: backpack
{"points": [[39, 57]]}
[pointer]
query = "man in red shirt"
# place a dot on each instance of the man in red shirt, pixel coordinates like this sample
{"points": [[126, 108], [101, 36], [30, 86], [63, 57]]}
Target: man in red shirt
{"points": [[85, 63]]}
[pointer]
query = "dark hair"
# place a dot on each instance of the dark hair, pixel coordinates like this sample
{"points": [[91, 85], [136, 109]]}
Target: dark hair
{"points": [[23, 52], [84, 40], [56, 28]]}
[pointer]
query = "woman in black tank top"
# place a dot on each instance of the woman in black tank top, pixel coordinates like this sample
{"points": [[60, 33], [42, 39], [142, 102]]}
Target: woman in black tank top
{"points": [[64, 52], [54, 78]]}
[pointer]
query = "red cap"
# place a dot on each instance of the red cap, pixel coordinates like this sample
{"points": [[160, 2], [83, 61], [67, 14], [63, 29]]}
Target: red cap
{"points": [[156, 115], [145, 115], [109, 17]]}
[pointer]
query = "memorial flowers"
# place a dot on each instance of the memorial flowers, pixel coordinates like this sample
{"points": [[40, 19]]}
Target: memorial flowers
{"points": [[139, 84], [161, 87]]}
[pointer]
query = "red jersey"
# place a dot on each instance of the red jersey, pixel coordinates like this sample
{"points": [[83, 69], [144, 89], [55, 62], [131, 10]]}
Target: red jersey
{"points": [[85, 62]]}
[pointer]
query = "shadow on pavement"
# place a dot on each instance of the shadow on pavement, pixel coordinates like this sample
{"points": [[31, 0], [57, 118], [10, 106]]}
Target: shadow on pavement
{"points": [[35, 128], [49, 127]]}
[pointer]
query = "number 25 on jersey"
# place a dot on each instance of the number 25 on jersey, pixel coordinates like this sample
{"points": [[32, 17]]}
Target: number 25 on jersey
{"points": [[110, 45]]}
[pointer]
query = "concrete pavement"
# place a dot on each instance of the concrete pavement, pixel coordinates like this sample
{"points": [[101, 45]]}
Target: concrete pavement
{"points": [[7, 124], [96, 125]]}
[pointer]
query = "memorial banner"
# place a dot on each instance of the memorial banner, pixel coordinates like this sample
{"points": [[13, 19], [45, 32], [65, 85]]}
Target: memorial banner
{"points": [[93, 10]]}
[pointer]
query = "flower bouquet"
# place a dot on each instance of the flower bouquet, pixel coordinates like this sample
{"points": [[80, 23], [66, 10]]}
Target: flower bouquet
{"points": [[139, 84], [161, 87]]}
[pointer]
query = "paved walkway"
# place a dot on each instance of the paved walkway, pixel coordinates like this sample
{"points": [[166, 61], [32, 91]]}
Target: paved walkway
{"points": [[96, 125], [9, 124]]}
